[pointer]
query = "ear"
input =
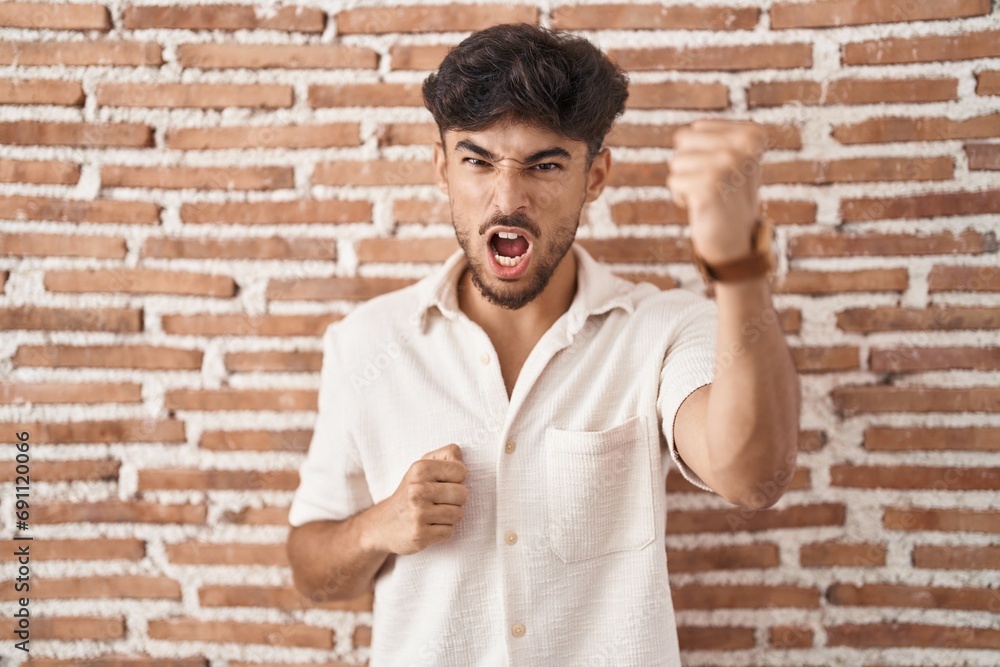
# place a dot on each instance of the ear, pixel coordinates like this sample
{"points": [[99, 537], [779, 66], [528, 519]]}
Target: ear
{"points": [[597, 176], [440, 167]]}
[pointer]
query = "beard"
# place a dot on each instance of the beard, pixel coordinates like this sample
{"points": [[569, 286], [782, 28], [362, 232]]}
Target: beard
{"points": [[546, 254]]}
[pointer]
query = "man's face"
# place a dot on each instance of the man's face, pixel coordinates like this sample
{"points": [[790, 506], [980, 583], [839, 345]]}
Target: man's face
{"points": [[516, 194]]}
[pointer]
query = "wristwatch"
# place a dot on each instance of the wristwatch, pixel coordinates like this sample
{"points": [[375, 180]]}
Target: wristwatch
{"points": [[757, 264]]}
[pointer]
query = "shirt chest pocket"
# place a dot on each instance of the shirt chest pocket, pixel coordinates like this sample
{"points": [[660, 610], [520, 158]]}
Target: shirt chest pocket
{"points": [[598, 491]]}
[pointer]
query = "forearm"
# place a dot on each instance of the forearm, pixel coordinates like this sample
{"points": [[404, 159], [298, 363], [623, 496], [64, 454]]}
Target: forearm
{"points": [[336, 560], [753, 406]]}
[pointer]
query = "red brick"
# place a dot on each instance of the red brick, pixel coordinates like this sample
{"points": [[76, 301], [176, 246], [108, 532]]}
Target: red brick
{"points": [[418, 56], [714, 58], [374, 172], [70, 471], [983, 156], [638, 250], [237, 632], [678, 95], [665, 211], [31, 244], [274, 360], [825, 359], [915, 477], [810, 440], [406, 134], [48, 16], [80, 210], [228, 554], [95, 586], [654, 17], [181, 479], [240, 399], [664, 282], [789, 637], [77, 53], [925, 597], [116, 511], [889, 245], [362, 635], [280, 56], [988, 83], [257, 248], [122, 661], [82, 135], [312, 326], [198, 178], [120, 320], [835, 282], [742, 519], [295, 440], [638, 174], [434, 250], [431, 18], [724, 557], [911, 635], [715, 638], [194, 95], [258, 516], [956, 557], [326, 135], [144, 357], [415, 211], [949, 520], [77, 627], [855, 400], [904, 359], [897, 128], [887, 438], [39, 171], [920, 207], [41, 91], [923, 49], [300, 211], [64, 392], [224, 17], [859, 170], [949, 278], [326, 289], [934, 318], [279, 597], [833, 13], [753, 596], [102, 432], [851, 91], [661, 135], [103, 548], [842, 554], [366, 95], [140, 281]]}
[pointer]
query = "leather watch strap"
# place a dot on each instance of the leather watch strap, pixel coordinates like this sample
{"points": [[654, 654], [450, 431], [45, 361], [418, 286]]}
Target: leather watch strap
{"points": [[759, 263]]}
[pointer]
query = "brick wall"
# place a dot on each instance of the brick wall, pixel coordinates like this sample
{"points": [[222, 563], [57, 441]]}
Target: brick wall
{"points": [[189, 194]]}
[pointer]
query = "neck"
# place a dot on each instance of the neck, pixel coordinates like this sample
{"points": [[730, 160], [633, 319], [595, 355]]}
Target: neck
{"points": [[532, 319]]}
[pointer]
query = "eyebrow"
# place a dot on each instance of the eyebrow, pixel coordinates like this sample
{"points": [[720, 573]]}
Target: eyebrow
{"points": [[555, 151]]}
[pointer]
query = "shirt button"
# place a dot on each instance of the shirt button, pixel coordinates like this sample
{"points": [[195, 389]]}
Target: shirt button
{"points": [[517, 630], [509, 447], [484, 358], [510, 537]]}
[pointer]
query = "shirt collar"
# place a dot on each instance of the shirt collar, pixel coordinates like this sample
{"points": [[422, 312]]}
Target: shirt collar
{"points": [[598, 290]]}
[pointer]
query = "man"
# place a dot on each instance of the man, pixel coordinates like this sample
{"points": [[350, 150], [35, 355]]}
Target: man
{"points": [[491, 445]]}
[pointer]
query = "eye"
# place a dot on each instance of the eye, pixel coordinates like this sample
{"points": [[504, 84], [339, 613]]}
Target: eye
{"points": [[475, 162], [547, 166]]}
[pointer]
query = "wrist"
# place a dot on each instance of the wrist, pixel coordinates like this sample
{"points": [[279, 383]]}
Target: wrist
{"points": [[368, 525]]}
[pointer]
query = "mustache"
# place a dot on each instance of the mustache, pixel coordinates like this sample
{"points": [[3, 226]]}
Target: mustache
{"points": [[515, 220]]}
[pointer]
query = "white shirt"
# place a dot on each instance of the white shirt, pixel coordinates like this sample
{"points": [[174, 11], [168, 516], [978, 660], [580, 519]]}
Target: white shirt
{"points": [[559, 558]]}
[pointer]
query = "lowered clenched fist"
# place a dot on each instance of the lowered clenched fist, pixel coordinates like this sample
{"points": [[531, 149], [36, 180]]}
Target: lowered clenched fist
{"points": [[715, 175], [425, 507]]}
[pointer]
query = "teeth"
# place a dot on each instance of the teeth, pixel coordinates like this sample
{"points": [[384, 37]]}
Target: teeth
{"points": [[508, 261], [507, 235]]}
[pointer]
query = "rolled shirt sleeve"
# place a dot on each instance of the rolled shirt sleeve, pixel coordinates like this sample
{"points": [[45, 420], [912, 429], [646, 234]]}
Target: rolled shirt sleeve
{"points": [[332, 482], [688, 364]]}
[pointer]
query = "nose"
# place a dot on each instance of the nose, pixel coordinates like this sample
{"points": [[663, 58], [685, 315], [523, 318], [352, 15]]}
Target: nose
{"points": [[510, 193]]}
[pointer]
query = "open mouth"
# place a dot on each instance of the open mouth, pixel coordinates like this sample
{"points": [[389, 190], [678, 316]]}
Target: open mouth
{"points": [[509, 252]]}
